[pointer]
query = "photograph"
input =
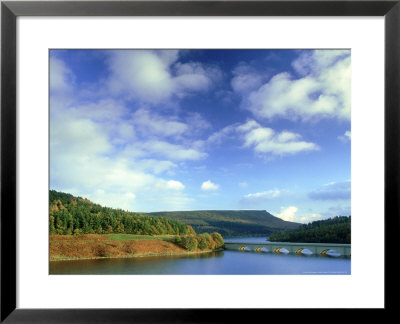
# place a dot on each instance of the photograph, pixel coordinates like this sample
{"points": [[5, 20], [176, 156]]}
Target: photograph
{"points": [[199, 161]]}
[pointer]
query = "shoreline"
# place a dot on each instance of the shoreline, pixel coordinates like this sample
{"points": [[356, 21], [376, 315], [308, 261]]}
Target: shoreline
{"points": [[141, 255]]}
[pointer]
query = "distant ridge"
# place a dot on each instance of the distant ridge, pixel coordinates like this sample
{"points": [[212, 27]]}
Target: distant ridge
{"points": [[230, 222]]}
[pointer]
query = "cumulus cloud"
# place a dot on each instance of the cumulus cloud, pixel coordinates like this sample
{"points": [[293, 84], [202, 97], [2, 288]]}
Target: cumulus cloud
{"points": [[263, 140], [156, 76], [322, 91], [289, 214], [151, 124], [83, 161], [170, 184], [209, 186], [332, 191], [155, 125], [246, 79], [61, 78], [266, 141], [92, 155]]}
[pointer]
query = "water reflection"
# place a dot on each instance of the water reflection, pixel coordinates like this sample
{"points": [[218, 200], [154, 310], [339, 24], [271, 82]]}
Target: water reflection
{"points": [[224, 262]]}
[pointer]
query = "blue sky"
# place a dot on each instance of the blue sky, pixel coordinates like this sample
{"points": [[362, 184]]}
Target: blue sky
{"points": [[157, 130]]}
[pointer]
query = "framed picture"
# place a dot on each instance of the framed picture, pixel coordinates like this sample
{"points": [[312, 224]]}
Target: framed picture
{"points": [[129, 82]]}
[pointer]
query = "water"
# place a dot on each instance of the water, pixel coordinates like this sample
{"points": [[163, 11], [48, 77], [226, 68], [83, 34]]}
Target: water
{"points": [[213, 263], [247, 239]]}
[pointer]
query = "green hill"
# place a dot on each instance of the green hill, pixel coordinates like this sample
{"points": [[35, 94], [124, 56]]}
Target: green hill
{"points": [[75, 215], [331, 230], [70, 214], [230, 222]]}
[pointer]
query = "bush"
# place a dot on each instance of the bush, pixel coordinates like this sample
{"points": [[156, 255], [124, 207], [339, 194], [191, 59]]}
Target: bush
{"points": [[128, 247], [77, 231], [202, 242], [101, 251], [218, 239], [189, 243]]}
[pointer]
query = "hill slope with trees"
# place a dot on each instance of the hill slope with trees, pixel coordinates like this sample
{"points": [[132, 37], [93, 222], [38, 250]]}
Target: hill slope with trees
{"points": [[230, 222], [332, 230], [75, 215]]}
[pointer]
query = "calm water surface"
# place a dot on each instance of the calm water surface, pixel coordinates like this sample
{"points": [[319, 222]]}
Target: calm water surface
{"points": [[224, 263]]}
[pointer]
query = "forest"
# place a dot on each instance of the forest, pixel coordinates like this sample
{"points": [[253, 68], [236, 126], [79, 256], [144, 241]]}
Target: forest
{"points": [[332, 230], [230, 223], [75, 215]]}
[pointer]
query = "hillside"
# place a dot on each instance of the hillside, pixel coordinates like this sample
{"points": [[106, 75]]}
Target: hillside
{"points": [[230, 222], [332, 230], [75, 215]]}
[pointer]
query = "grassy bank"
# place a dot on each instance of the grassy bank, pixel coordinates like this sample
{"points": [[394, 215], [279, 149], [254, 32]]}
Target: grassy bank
{"points": [[95, 246]]}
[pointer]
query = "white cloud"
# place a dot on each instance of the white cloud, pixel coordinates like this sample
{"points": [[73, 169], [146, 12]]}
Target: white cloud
{"points": [[209, 186], [130, 195], [176, 185], [89, 146], [155, 76], [322, 91], [103, 110], [270, 194], [191, 77], [61, 78], [221, 135], [289, 214], [346, 137], [153, 124], [170, 184], [245, 79], [257, 198], [263, 140], [266, 140], [164, 150]]}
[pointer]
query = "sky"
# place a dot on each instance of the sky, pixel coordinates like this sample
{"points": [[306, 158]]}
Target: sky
{"points": [[163, 130]]}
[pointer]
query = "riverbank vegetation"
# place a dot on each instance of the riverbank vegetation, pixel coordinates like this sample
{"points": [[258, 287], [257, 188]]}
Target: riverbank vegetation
{"points": [[332, 230], [95, 246], [80, 229]]}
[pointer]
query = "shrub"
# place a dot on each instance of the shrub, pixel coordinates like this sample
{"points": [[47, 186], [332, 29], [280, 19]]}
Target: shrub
{"points": [[218, 239], [128, 247], [77, 231], [202, 242], [189, 243], [101, 251]]}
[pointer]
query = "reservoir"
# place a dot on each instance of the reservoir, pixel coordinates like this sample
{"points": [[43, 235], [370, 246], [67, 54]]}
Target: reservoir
{"points": [[213, 263]]}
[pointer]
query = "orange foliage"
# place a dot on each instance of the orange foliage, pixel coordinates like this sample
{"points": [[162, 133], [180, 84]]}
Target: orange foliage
{"points": [[96, 245]]}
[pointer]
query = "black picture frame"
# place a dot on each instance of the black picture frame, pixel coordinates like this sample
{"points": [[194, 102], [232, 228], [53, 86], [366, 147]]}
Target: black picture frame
{"points": [[10, 10]]}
